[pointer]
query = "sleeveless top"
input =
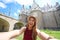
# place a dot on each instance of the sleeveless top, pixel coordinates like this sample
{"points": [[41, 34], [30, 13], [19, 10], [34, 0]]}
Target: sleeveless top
{"points": [[27, 34]]}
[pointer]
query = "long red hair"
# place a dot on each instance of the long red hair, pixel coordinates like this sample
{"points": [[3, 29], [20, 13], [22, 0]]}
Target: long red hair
{"points": [[34, 33]]}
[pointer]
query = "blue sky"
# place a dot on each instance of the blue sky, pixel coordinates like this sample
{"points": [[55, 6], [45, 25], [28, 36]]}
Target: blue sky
{"points": [[14, 6]]}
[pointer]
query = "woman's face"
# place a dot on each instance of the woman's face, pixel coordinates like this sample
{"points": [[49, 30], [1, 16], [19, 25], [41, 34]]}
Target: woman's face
{"points": [[31, 22]]}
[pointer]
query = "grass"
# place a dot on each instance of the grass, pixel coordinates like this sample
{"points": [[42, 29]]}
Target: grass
{"points": [[55, 34]]}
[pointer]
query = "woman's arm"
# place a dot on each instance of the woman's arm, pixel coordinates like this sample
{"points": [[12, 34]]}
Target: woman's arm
{"points": [[14, 33], [43, 35]]}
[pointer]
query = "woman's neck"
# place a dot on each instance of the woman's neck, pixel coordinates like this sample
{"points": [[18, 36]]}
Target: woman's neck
{"points": [[30, 28]]}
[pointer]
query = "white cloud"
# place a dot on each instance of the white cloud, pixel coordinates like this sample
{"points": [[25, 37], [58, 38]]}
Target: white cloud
{"points": [[18, 11], [30, 2], [24, 2], [15, 14], [8, 1], [43, 2], [2, 5]]}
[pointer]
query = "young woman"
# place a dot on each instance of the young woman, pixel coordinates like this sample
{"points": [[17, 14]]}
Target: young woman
{"points": [[30, 32]]}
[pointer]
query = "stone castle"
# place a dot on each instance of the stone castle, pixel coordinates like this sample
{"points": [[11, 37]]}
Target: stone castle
{"points": [[45, 19]]}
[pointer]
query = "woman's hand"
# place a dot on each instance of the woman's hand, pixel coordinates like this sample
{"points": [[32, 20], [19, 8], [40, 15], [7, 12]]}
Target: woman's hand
{"points": [[15, 33], [11, 34], [53, 39], [44, 36]]}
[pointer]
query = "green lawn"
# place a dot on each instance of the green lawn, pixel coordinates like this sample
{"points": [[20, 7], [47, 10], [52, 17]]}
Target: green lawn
{"points": [[55, 34]]}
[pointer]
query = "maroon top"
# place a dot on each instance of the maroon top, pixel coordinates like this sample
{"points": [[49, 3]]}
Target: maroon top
{"points": [[27, 34]]}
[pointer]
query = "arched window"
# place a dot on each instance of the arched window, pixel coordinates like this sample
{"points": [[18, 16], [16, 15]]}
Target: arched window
{"points": [[18, 25], [4, 25]]}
